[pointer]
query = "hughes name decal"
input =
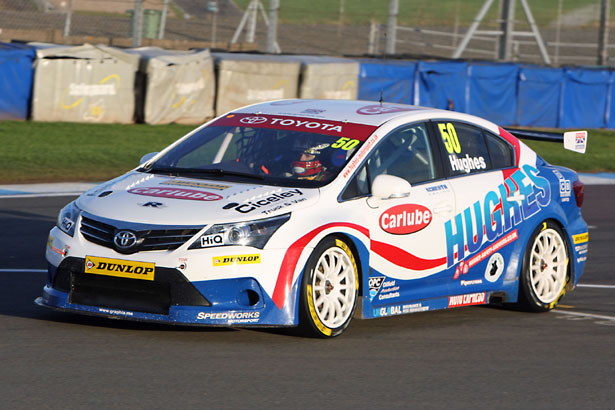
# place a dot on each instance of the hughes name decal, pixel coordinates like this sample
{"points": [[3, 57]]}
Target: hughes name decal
{"points": [[494, 216], [405, 219]]}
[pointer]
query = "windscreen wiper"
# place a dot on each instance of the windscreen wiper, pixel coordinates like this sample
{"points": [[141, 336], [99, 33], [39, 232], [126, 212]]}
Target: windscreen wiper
{"points": [[207, 171]]}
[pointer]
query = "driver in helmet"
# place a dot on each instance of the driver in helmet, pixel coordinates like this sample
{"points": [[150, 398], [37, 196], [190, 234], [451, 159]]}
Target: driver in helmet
{"points": [[308, 166]]}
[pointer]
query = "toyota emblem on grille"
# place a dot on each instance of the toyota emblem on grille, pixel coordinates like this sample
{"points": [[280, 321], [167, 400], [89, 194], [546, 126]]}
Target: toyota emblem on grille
{"points": [[125, 239], [253, 120]]}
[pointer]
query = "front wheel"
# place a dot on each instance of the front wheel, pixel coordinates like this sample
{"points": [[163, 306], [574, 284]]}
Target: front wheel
{"points": [[329, 289], [545, 269]]}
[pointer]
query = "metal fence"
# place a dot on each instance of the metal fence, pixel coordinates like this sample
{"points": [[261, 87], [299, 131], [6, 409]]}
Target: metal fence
{"points": [[570, 30]]}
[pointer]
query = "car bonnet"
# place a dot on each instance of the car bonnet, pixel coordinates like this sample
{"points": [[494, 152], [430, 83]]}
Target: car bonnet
{"points": [[163, 200]]}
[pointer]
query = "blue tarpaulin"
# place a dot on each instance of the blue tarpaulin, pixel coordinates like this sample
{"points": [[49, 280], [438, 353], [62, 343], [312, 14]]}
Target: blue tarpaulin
{"points": [[539, 96], [585, 96], [394, 78], [442, 84], [505, 93], [15, 80], [493, 92]]}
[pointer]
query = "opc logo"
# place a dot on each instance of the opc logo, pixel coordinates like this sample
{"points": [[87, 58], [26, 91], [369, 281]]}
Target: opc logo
{"points": [[253, 120]]}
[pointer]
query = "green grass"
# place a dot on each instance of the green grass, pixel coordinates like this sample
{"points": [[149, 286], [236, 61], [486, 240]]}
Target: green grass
{"points": [[411, 12], [44, 152], [600, 154], [54, 152]]}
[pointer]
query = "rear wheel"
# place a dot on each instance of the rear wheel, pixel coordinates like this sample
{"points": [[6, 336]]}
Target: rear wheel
{"points": [[329, 289], [545, 269]]}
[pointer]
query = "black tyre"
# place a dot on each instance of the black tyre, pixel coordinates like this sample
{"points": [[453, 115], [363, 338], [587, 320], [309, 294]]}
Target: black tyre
{"points": [[544, 274], [329, 290]]}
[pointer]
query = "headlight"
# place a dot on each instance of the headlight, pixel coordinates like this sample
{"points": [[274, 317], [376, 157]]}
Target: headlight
{"points": [[67, 219], [251, 233]]}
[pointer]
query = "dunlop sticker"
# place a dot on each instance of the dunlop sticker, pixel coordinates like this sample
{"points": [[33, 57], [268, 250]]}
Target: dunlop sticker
{"points": [[580, 238], [120, 268], [236, 260]]}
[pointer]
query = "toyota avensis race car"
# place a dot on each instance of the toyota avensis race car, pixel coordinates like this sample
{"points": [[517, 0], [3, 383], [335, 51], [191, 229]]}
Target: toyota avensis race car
{"points": [[308, 212]]}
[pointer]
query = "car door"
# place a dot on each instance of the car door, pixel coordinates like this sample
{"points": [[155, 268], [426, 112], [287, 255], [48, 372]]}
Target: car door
{"points": [[408, 248], [476, 164]]}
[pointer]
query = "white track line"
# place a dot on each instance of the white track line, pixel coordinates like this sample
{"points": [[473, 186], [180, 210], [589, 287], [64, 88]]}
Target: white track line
{"points": [[583, 285], [564, 312], [42, 195]]}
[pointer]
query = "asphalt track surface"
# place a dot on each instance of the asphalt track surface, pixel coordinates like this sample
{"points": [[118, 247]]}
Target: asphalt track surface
{"points": [[473, 357]]}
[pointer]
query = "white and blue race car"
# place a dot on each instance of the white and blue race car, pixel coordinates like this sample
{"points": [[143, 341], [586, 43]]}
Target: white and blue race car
{"points": [[309, 212]]}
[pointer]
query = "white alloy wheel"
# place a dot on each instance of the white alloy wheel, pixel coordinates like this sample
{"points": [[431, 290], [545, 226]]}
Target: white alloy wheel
{"points": [[548, 262], [334, 287], [329, 289]]}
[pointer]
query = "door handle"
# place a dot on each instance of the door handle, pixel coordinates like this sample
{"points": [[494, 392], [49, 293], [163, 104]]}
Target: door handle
{"points": [[443, 208]]}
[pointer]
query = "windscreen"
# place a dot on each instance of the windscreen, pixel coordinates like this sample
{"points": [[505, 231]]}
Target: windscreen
{"points": [[277, 150]]}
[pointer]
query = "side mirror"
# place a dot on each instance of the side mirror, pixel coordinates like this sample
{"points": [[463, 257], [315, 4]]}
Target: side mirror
{"points": [[388, 187], [147, 157]]}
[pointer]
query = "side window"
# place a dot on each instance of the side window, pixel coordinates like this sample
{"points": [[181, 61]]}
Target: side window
{"points": [[502, 154], [465, 150], [405, 153]]}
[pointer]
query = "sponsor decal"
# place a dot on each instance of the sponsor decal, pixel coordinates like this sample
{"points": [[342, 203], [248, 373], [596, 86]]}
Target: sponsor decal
{"points": [[270, 199], [211, 240], [236, 260], [467, 299], [377, 109], [492, 217], [467, 163], [375, 283], [231, 317], [312, 111], [253, 120], [581, 249], [436, 189], [471, 282], [283, 122], [464, 266], [389, 290], [176, 193], [400, 309], [67, 223], [565, 191], [356, 160], [115, 312], [153, 204], [495, 267], [581, 259], [580, 238], [405, 219], [576, 141], [284, 205], [120, 268], [195, 184]]}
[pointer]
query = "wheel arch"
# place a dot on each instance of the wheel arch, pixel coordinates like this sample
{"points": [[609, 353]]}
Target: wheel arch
{"points": [[566, 236], [354, 244]]}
